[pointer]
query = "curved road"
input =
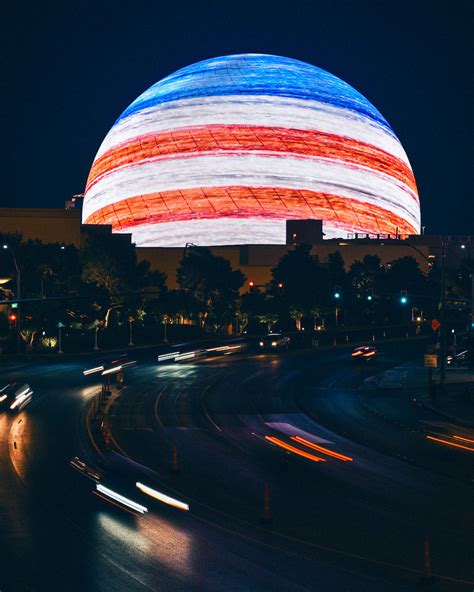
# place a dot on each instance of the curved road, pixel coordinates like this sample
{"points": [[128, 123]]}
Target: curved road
{"points": [[336, 524]]}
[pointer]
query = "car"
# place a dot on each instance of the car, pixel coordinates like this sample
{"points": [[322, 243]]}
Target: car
{"points": [[460, 359], [15, 397], [364, 352], [81, 466], [274, 341], [110, 365]]}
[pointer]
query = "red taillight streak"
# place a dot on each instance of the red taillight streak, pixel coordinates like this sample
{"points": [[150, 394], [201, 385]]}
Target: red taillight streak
{"points": [[321, 449], [450, 443], [463, 439], [290, 448]]}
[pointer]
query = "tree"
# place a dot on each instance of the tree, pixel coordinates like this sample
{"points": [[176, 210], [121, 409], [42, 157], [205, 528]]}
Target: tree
{"points": [[366, 282], [304, 282], [405, 274], [123, 286], [336, 271], [213, 284]]}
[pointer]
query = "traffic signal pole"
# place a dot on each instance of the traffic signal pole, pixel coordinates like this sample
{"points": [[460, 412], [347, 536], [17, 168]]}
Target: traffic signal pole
{"points": [[442, 329]]}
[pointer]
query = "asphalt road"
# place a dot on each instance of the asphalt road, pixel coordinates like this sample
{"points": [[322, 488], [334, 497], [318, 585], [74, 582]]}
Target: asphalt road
{"points": [[335, 525]]}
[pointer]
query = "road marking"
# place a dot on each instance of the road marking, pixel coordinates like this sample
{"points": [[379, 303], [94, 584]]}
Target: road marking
{"points": [[157, 401], [117, 445], [203, 404], [89, 432], [320, 547]]}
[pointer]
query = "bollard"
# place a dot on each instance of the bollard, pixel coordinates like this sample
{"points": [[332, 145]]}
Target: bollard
{"points": [[95, 406], [373, 338], [174, 460], [427, 578], [106, 436], [334, 342], [266, 516], [347, 338], [384, 334]]}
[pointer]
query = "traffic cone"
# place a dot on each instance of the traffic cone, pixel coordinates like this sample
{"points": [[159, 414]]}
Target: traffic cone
{"points": [[106, 436], [266, 516], [174, 460]]}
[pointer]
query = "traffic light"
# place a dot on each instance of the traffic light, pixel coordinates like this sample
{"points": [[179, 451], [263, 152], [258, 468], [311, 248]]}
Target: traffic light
{"points": [[12, 318], [403, 296], [252, 286], [337, 295], [280, 287]]}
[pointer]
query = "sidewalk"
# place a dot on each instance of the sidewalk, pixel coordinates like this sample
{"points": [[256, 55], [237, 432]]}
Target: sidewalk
{"points": [[396, 387]]}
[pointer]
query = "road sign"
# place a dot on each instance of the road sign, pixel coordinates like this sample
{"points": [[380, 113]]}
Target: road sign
{"points": [[431, 361], [435, 324]]}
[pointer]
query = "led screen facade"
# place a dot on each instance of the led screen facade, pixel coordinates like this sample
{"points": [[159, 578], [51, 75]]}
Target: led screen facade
{"points": [[225, 150]]}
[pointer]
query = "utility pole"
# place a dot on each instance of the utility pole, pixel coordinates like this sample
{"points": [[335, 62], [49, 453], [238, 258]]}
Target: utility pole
{"points": [[442, 329], [18, 296]]}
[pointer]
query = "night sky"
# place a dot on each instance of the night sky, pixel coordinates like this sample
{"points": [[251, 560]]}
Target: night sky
{"points": [[71, 68]]}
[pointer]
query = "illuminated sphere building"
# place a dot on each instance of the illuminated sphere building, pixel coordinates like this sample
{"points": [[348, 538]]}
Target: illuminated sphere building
{"points": [[226, 150]]}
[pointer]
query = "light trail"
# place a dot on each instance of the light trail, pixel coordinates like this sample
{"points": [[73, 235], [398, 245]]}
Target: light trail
{"points": [[450, 443], [121, 499], [293, 449], [166, 499], [309, 444], [463, 439]]}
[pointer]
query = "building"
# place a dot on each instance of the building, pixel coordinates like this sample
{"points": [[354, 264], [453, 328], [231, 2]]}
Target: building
{"points": [[254, 260]]}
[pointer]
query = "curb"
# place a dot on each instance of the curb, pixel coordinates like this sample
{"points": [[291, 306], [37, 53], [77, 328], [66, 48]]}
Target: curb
{"points": [[451, 418]]}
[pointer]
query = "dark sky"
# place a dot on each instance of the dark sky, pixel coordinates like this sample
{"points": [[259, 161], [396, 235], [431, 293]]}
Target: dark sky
{"points": [[71, 68]]}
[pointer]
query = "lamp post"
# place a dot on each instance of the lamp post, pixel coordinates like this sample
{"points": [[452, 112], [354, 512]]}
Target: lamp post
{"points": [[130, 325], [60, 326], [337, 297], [18, 295]]}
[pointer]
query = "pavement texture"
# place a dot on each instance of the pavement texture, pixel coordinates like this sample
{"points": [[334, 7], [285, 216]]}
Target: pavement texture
{"points": [[454, 402]]}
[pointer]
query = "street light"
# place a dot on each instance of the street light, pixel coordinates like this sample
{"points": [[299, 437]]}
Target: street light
{"points": [[18, 295], [337, 296]]}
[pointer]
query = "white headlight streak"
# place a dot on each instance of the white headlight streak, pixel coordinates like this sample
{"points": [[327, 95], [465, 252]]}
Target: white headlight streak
{"points": [[121, 499], [166, 499]]}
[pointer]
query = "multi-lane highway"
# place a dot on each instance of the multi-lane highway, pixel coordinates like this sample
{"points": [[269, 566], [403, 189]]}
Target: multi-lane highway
{"points": [[346, 497]]}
